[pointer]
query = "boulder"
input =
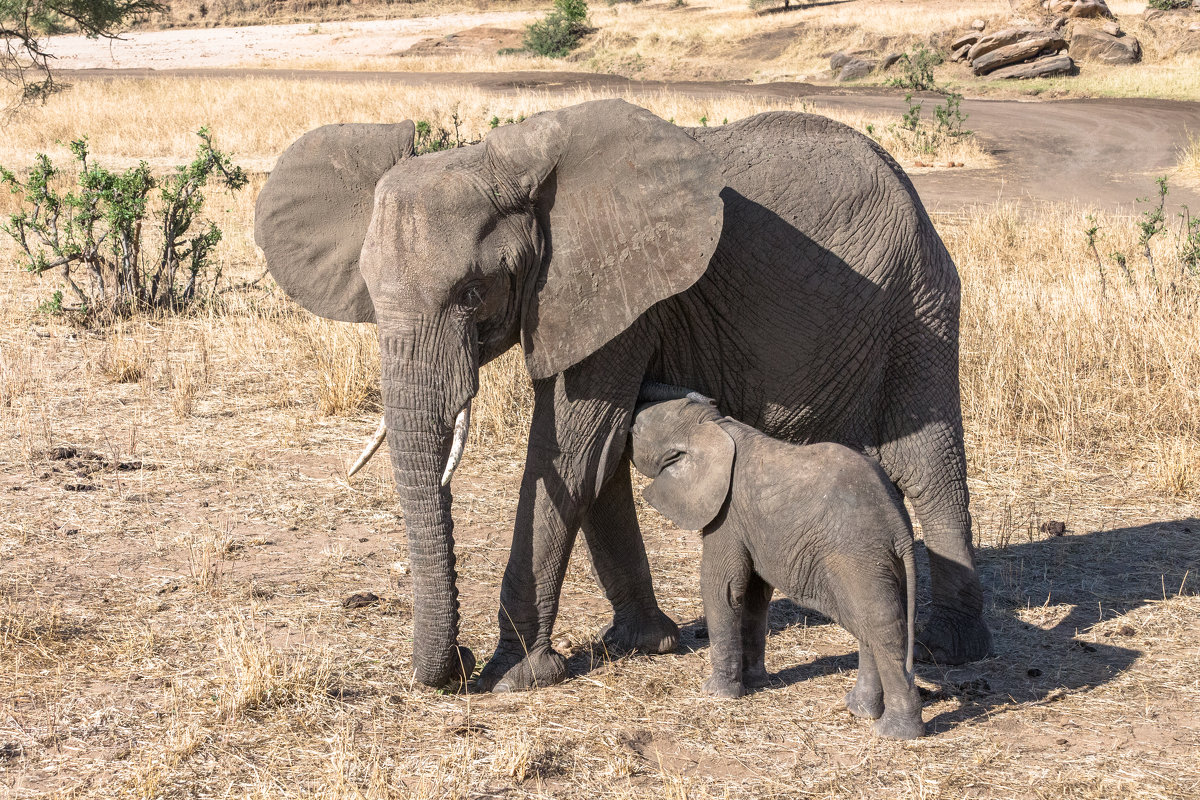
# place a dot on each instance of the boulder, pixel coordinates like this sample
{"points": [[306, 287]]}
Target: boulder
{"points": [[1014, 53], [961, 53], [1079, 8], [1111, 28], [842, 57], [979, 24], [1005, 37], [1090, 44], [967, 39], [890, 60], [856, 68], [1044, 67]]}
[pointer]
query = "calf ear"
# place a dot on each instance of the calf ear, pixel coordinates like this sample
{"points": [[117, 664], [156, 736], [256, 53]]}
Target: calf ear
{"points": [[691, 491]]}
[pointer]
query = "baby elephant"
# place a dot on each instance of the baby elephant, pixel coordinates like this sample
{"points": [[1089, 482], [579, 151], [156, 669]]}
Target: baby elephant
{"points": [[821, 522]]}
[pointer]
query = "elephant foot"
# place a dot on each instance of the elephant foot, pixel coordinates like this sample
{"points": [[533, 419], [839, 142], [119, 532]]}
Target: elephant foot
{"points": [[755, 677], [864, 704], [719, 687], [652, 632], [512, 670], [951, 638], [899, 725]]}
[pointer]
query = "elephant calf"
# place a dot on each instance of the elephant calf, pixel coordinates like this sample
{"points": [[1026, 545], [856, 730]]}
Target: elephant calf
{"points": [[822, 522]]}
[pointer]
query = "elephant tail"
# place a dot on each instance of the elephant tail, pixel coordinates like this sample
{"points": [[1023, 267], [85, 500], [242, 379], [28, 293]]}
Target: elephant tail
{"points": [[910, 580]]}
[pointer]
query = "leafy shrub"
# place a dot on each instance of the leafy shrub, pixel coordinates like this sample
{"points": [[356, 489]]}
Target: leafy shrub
{"points": [[947, 124], [918, 70], [103, 226], [560, 31], [1168, 5], [756, 5]]}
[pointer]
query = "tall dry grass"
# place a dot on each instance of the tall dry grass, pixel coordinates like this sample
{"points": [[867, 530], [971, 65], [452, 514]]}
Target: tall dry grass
{"points": [[255, 119]]}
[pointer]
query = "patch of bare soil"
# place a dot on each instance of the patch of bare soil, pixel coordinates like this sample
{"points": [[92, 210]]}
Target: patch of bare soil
{"points": [[227, 47], [481, 40]]}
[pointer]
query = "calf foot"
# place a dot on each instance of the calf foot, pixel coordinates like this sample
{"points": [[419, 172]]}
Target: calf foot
{"points": [[951, 638], [755, 677], [719, 687], [864, 703], [513, 670], [899, 724], [648, 632]]}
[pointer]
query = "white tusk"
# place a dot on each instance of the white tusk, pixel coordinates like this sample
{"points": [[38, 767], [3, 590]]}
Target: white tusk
{"points": [[372, 446], [462, 425]]}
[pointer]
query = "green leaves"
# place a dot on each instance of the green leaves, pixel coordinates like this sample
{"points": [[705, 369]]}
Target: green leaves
{"points": [[98, 231], [560, 31]]}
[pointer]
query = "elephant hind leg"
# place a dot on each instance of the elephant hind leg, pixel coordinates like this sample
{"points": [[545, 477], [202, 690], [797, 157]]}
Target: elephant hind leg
{"points": [[921, 449], [614, 541]]}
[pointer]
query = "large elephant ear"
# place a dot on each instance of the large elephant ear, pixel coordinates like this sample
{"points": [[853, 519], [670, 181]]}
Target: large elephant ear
{"points": [[631, 211], [312, 215]]}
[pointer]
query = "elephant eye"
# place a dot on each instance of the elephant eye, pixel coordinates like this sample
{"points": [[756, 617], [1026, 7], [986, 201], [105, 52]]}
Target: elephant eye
{"points": [[670, 458], [471, 297]]}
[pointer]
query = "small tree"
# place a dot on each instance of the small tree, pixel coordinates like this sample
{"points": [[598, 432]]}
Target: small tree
{"points": [[560, 31], [24, 22], [99, 229]]}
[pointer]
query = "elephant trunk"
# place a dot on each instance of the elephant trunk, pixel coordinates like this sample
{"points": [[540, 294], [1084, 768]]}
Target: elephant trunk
{"points": [[419, 439]]}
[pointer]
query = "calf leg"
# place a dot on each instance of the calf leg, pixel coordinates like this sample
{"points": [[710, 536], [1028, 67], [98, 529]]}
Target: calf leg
{"points": [[754, 631], [724, 575]]}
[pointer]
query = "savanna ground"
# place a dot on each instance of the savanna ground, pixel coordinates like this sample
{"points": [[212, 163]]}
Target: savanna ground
{"points": [[178, 535]]}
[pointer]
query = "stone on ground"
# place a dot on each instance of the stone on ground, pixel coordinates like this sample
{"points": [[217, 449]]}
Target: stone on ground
{"points": [[1089, 44], [1044, 67]]}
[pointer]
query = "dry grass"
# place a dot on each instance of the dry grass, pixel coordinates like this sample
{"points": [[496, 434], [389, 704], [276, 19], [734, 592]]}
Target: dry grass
{"points": [[1189, 159], [177, 630], [155, 120]]}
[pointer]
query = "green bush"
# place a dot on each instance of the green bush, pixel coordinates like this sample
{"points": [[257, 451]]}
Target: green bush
{"points": [[560, 31], [917, 67], [118, 249], [1168, 5]]}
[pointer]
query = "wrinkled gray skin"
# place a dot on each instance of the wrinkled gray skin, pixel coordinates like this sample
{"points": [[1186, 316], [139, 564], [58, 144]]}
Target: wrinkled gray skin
{"points": [[782, 264], [821, 522]]}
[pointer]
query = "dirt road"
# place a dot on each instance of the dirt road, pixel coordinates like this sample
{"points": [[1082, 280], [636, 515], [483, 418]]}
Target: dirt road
{"points": [[1101, 153]]}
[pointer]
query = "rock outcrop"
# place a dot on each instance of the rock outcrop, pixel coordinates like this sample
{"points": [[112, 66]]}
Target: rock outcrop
{"points": [[1090, 44]]}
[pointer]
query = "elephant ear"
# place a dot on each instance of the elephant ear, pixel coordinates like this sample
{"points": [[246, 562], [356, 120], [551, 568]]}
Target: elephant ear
{"points": [[631, 212], [312, 215], [691, 490]]}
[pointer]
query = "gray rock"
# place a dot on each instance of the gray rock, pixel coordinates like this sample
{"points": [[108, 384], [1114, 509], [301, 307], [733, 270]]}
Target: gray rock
{"points": [[890, 60], [1079, 8], [842, 57], [1005, 37], [1014, 53], [856, 68], [1111, 28], [1044, 67], [967, 39], [978, 24], [1090, 44], [961, 53]]}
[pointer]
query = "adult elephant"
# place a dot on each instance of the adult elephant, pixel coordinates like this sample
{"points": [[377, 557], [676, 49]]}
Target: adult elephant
{"points": [[782, 264]]}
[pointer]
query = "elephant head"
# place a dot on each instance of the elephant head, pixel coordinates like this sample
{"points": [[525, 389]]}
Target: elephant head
{"points": [[557, 233], [688, 456]]}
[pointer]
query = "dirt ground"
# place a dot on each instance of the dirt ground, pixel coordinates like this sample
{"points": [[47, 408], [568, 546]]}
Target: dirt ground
{"points": [[179, 543], [254, 44]]}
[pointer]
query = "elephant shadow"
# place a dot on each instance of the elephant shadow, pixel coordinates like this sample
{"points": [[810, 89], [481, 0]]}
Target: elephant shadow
{"points": [[1060, 610]]}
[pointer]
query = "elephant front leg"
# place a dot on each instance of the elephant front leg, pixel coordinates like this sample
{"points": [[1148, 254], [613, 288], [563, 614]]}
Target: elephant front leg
{"points": [[579, 431], [547, 521], [724, 575], [754, 632], [614, 541]]}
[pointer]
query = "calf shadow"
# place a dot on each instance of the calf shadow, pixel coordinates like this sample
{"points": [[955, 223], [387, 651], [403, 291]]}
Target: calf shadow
{"points": [[1043, 598]]}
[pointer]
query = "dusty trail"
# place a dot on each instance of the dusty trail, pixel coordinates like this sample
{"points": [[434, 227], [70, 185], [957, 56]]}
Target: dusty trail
{"points": [[1102, 153]]}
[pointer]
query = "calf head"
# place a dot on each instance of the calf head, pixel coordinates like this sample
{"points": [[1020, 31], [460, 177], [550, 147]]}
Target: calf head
{"points": [[689, 457]]}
